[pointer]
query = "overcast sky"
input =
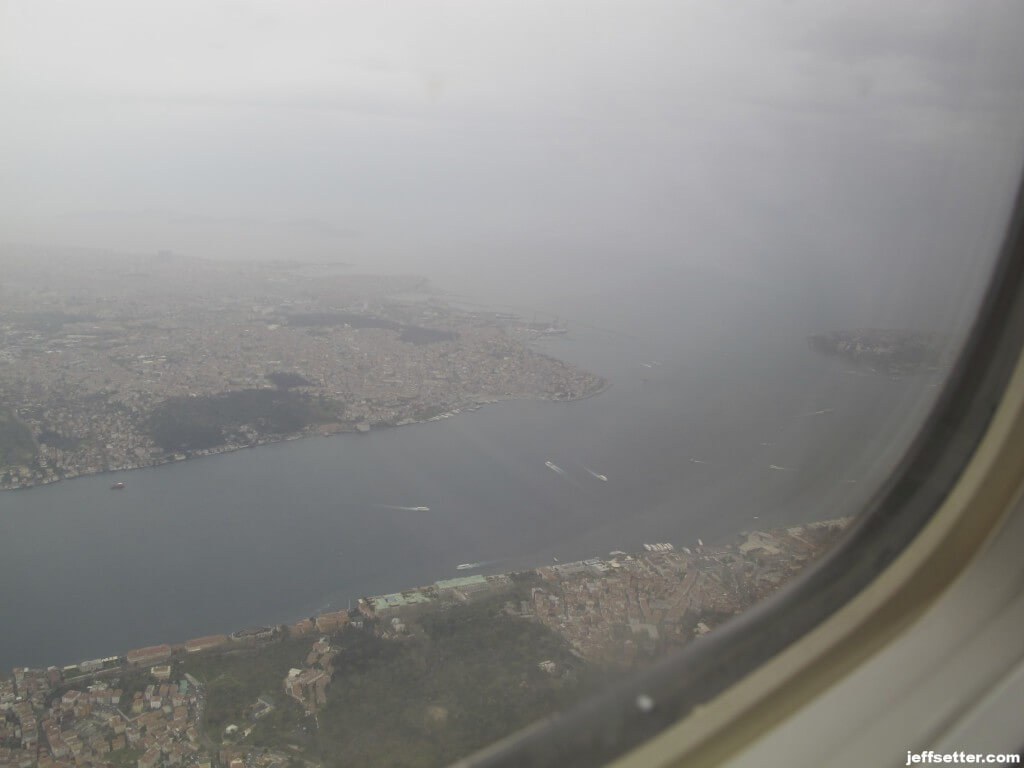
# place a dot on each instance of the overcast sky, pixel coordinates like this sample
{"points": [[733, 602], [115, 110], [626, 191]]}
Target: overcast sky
{"points": [[750, 139]]}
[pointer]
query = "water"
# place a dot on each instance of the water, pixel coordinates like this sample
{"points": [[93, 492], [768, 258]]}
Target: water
{"points": [[281, 531]]}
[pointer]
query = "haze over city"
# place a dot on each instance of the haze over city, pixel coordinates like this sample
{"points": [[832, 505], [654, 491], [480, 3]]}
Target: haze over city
{"points": [[790, 145], [377, 379]]}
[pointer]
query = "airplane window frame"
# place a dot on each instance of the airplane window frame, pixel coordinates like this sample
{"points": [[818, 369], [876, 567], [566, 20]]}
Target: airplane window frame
{"points": [[612, 723]]}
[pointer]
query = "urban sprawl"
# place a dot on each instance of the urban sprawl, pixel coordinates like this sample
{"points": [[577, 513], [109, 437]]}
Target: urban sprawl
{"points": [[145, 709], [111, 363]]}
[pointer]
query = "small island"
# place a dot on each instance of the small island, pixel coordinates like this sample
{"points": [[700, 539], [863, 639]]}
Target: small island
{"points": [[113, 362], [886, 350]]}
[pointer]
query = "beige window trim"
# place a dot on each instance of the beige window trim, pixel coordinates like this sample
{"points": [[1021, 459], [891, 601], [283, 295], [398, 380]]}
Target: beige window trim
{"points": [[987, 489]]}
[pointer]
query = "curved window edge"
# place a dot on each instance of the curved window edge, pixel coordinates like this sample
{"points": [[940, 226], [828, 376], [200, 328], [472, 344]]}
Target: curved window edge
{"points": [[609, 725]]}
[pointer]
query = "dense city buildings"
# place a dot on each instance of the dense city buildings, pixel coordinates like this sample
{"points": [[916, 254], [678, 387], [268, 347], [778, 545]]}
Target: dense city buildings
{"points": [[629, 607], [165, 357], [146, 709], [51, 722]]}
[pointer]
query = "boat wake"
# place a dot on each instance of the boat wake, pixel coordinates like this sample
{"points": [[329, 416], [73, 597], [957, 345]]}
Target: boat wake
{"points": [[554, 467], [596, 475], [822, 412], [402, 509]]}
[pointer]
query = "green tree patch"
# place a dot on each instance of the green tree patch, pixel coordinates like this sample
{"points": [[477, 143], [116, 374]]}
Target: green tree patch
{"points": [[195, 423]]}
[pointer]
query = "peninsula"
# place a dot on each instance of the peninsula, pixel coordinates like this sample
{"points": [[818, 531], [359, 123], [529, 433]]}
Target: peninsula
{"points": [[112, 362]]}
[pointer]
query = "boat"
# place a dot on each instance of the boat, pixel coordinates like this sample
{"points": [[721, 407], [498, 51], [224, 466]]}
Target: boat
{"points": [[117, 486], [597, 475], [468, 566], [420, 509], [554, 467]]}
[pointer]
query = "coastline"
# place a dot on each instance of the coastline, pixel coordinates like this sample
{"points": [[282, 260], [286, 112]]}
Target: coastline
{"points": [[321, 431], [465, 586], [561, 631]]}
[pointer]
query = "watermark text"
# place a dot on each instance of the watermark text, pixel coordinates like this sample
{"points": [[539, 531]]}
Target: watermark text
{"points": [[977, 758]]}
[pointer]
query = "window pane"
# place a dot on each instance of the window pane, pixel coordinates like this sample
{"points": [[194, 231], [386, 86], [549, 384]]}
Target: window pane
{"points": [[597, 322]]}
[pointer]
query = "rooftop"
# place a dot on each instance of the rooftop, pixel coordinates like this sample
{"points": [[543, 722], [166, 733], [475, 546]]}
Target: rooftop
{"points": [[461, 581]]}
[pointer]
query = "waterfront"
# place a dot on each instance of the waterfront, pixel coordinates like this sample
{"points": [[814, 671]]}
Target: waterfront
{"points": [[532, 626], [289, 529]]}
